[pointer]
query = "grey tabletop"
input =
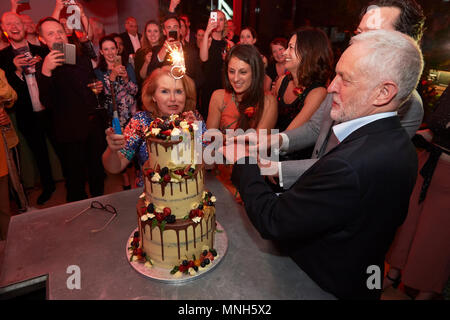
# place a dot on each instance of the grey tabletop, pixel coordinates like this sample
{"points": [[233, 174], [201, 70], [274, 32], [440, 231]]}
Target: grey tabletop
{"points": [[40, 243]]}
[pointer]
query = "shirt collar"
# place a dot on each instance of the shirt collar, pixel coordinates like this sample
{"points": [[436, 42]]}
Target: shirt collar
{"points": [[344, 129]]}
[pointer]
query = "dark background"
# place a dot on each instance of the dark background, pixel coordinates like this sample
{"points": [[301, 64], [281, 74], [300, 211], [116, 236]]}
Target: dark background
{"points": [[272, 18]]}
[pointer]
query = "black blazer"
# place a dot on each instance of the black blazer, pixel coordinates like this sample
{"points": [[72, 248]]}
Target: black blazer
{"points": [[128, 46], [26, 118], [341, 215], [70, 102]]}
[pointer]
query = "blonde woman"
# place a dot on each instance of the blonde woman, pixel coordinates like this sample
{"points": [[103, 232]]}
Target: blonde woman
{"points": [[162, 95]]}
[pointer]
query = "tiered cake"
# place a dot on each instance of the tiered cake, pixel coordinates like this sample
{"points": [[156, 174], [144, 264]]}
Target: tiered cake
{"points": [[176, 216]]}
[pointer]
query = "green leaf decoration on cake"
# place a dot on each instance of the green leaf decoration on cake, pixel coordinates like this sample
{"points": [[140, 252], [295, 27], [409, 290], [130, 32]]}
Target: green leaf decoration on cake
{"points": [[154, 223], [162, 226]]}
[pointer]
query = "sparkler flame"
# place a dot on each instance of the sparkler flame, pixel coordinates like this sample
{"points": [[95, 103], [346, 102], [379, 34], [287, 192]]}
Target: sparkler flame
{"points": [[176, 56]]}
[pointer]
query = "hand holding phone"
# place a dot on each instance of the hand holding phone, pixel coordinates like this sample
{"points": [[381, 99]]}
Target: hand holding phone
{"points": [[213, 16]]}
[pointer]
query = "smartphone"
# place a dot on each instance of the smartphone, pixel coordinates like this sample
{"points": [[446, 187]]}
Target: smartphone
{"points": [[213, 16], [23, 1], [69, 51], [26, 52], [173, 34], [117, 60], [58, 46]]}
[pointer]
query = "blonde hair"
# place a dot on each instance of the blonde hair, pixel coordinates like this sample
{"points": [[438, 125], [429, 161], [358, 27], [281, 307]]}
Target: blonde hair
{"points": [[225, 25], [151, 84]]}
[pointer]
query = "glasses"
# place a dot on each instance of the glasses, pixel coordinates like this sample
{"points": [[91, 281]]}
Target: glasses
{"points": [[97, 205]]}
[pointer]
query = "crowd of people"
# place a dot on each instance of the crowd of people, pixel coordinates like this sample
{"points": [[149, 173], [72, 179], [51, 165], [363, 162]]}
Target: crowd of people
{"points": [[347, 165]]}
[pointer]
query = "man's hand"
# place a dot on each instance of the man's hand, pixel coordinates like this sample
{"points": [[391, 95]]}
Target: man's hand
{"points": [[53, 60], [20, 61]]}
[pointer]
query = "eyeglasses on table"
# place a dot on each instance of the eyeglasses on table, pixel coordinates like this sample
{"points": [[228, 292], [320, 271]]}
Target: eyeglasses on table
{"points": [[97, 205]]}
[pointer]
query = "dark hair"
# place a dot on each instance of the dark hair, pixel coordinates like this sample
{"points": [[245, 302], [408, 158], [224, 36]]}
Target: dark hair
{"points": [[124, 52], [168, 17], [314, 49], [280, 41], [46, 19], [252, 31], [254, 96], [102, 65], [411, 19]]}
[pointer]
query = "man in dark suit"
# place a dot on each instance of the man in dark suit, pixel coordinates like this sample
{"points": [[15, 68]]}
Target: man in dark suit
{"points": [[339, 218], [76, 124], [131, 37], [32, 118], [405, 16]]}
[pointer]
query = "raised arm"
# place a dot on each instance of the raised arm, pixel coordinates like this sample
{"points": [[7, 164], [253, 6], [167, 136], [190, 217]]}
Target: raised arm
{"points": [[204, 46]]}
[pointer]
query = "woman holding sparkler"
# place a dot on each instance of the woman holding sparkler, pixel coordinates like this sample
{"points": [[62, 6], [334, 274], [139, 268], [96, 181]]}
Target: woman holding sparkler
{"points": [[162, 95]]}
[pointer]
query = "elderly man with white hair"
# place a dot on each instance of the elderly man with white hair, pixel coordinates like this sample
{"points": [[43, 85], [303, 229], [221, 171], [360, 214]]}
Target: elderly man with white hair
{"points": [[339, 218]]}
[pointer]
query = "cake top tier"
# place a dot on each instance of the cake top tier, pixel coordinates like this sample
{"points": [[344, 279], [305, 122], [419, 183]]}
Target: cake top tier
{"points": [[169, 129]]}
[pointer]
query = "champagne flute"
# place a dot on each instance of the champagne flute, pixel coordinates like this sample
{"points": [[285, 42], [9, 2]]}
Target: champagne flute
{"points": [[93, 86]]}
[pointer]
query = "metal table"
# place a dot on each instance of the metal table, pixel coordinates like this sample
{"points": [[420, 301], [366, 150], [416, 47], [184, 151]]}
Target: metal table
{"points": [[40, 244]]}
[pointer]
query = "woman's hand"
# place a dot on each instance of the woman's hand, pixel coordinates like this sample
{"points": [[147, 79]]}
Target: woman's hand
{"points": [[115, 141], [148, 57], [118, 71], [211, 26]]}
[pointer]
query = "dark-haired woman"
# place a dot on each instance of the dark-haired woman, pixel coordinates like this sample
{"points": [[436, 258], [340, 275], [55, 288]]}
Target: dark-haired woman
{"points": [[121, 78], [243, 103], [120, 81], [248, 36], [277, 64], [301, 91]]}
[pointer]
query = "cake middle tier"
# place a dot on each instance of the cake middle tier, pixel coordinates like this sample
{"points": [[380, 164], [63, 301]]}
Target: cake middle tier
{"points": [[178, 196]]}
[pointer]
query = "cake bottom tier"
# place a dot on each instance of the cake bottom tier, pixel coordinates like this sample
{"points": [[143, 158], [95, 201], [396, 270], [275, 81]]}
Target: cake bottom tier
{"points": [[166, 245]]}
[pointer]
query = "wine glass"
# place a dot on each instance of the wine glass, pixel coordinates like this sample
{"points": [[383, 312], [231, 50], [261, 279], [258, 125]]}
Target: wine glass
{"points": [[93, 86]]}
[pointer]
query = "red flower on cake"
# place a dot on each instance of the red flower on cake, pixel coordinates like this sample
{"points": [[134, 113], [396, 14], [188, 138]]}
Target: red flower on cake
{"points": [[250, 112]]}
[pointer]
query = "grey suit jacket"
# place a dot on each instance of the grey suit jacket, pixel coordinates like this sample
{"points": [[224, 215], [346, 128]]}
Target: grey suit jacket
{"points": [[317, 128]]}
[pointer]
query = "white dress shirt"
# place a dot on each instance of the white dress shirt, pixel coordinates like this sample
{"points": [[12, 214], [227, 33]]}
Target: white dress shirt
{"points": [[341, 131], [135, 42]]}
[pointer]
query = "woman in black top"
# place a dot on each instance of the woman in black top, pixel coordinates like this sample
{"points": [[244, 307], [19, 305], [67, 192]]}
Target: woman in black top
{"points": [[277, 64], [302, 90], [212, 55]]}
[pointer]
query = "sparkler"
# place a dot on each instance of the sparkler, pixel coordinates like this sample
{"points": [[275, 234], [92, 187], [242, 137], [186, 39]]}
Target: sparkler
{"points": [[176, 56]]}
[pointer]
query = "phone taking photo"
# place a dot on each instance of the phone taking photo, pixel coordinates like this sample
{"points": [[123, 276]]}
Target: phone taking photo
{"points": [[213, 16], [69, 51], [173, 34], [117, 60]]}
